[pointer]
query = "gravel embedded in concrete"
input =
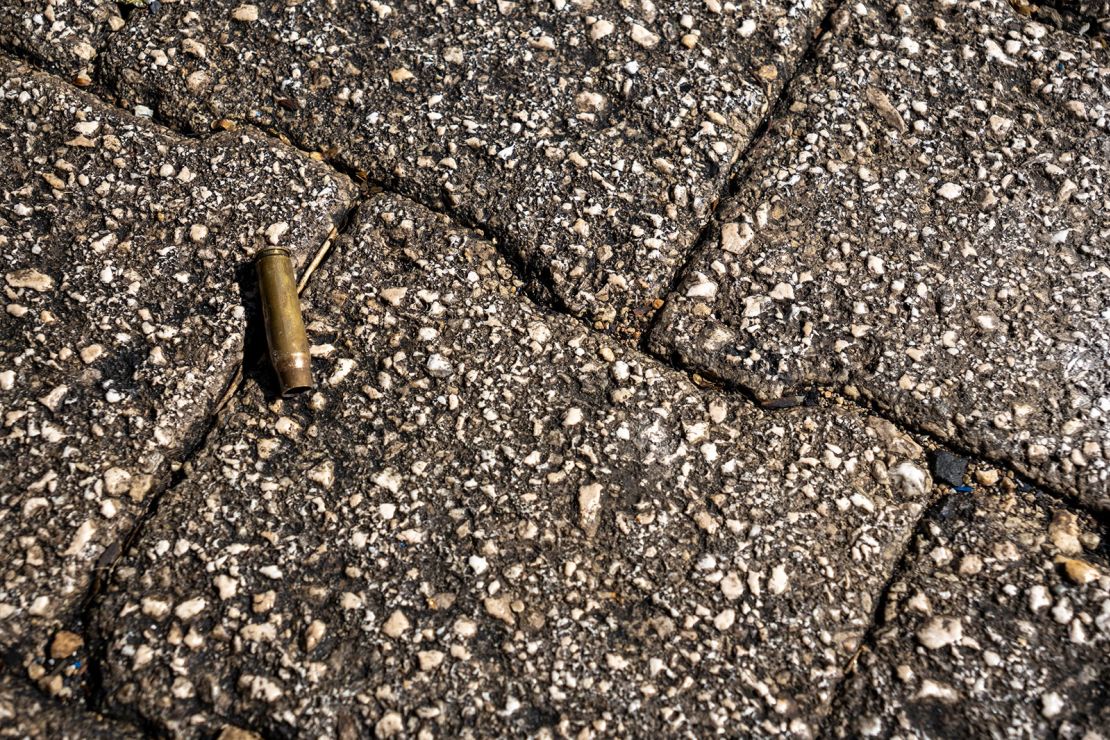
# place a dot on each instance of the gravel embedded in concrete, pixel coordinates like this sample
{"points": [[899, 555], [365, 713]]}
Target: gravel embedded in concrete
{"points": [[593, 138], [999, 626], [1077, 16], [489, 520], [122, 322], [928, 227], [27, 715], [63, 35]]}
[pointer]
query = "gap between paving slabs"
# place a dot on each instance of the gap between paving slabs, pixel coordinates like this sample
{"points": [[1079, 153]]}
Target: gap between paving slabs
{"points": [[546, 298], [255, 365], [379, 274], [545, 302], [744, 166], [537, 278], [678, 101], [997, 618], [731, 308], [516, 265], [188, 193], [325, 253]]}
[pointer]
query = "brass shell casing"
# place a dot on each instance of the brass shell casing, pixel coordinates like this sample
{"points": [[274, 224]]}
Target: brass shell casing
{"points": [[281, 310]]}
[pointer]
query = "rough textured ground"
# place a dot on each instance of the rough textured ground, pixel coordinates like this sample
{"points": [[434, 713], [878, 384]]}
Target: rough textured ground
{"points": [[993, 584], [928, 226], [610, 547], [26, 713], [593, 138], [492, 517], [123, 322], [63, 35]]}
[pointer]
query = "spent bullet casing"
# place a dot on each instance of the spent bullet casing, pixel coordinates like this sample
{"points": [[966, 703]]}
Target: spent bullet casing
{"points": [[281, 310]]}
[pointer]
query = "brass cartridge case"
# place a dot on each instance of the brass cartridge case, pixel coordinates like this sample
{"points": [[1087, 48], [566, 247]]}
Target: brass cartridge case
{"points": [[281, 310]]}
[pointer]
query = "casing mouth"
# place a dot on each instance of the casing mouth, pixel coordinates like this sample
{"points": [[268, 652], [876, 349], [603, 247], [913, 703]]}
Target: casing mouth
{"points": [[272, 252]]}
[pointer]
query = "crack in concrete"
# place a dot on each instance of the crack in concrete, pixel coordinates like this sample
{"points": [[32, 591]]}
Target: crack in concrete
{"points": [[254, 354], [742, 170], [901, 566], [539, 291]]}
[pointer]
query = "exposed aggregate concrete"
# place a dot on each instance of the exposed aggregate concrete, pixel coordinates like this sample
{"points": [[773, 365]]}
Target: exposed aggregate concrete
{"points": [[490, 520], [592, 137], [998, 627], [122, 324], [65, 35], [929, 228], [27, 715], [1078, 16]]}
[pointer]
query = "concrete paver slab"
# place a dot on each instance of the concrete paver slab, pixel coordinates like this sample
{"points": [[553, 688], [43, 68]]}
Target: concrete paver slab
{"points": [[122, 320], [592, 137], [997, 627], [489, 520], [929, 227]]}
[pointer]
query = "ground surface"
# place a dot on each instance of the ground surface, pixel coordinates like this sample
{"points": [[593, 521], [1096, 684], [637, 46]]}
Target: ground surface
{"points": [[682, 369]]}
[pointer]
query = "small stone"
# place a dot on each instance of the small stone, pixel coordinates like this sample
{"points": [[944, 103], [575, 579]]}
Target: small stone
{"points": [[704, 289], [1079, 572], [971, 565], [91, 353], [65, 644], [643, 37], [439, 366], [186, 610], [465, 627], [429, 659], [498, 608], [53, 399], [783, 292], [226, 586], [777, 583], [478, 564], [589, 508], [245, 13], [912, 480], [32, 279], [396, 625], [275, 231], [324, 474], [986, 476], [117, 481], [314, 634], [725, 619], [401, 75], [950, 191], [389, 725], [1038, 599], [394, 296], [768, 72], [886, 110], [939, 632], [1064, 533], [600, 29], [938, 690], [948, 467], [1051, 704], [731, 586]]}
